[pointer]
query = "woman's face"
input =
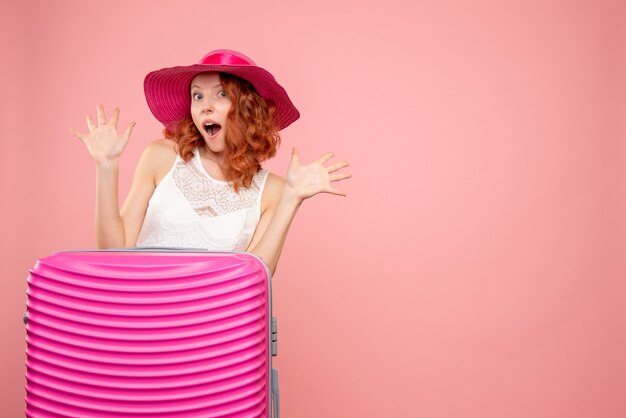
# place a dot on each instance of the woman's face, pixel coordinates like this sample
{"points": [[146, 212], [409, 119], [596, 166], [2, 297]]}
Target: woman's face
{"points": [[209, 110]]}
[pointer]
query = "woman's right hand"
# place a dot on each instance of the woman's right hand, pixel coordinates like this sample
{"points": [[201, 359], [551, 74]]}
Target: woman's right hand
{"points": [[104, 142]]}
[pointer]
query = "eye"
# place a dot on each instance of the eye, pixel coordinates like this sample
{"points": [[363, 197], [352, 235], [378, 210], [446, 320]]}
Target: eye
{"points": [[197, 96], [221, 93]]}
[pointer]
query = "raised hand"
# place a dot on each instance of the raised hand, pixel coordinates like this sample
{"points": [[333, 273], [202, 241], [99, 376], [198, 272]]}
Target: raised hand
{"points": [[104, 142], [307, 180]]}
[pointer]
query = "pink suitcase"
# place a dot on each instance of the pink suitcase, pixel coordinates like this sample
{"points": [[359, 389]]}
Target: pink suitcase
{"points": [[158, 333]]}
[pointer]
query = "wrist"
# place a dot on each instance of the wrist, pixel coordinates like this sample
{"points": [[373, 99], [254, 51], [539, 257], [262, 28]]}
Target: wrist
{"points": [[106, 165], [291, 197]]}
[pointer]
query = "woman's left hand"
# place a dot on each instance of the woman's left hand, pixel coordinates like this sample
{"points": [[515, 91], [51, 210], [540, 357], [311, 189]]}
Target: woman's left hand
{"points": [[306, 180]]}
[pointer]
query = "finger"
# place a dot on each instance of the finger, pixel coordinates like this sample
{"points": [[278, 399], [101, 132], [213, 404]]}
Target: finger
{"points": [[79, 135], [101, 117], [338, 166], [90, 124], [339, 177], [295, 155], [114, 117], [128, 130], [325, 157]]}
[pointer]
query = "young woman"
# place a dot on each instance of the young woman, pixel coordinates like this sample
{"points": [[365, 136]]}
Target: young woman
{"points": [[203, 186]]}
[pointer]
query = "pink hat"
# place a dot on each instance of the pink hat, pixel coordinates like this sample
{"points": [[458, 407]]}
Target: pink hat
{"points": [[169, 99]]}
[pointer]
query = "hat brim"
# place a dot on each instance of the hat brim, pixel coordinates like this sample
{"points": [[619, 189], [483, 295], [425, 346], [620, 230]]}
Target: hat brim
{"points": [[169, 99]]}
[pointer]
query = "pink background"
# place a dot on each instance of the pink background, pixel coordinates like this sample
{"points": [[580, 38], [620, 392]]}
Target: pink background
{"points": [[474, 269]]}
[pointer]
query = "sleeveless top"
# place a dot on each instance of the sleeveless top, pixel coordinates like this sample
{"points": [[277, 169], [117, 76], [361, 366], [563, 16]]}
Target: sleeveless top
{"points": [[191, 209]]}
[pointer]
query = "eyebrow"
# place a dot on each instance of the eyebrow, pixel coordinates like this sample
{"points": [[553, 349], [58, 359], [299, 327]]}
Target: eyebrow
{"points": [[198, 87]]}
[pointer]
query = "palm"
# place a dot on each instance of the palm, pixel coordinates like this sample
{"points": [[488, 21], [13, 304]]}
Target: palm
{"points": [[103, 141], [310, 179]]}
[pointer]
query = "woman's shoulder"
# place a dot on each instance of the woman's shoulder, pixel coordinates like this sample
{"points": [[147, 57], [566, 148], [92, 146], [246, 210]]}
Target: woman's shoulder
{"points": [[160, 151], [273, 190], [161, 148], [274, 182], [158, 157]]}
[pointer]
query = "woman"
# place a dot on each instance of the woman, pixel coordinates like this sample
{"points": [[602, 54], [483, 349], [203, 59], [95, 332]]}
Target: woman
{"points": [[203, 186]]}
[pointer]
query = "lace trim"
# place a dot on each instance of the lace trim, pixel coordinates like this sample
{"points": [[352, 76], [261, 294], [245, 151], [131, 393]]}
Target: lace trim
{"points": [[209, 197]]}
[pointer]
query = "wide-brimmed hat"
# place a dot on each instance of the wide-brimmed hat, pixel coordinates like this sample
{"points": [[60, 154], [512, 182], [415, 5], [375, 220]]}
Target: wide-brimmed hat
{"points": [[169, 99]]}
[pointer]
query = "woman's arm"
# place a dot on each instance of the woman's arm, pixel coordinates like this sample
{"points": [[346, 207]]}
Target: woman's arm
{"points": [[109, 224], [156, 159], [284, 200], [106, 144]]}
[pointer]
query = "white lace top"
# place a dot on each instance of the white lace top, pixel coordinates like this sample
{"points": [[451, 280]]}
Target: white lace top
{"points": [[191, 209]]}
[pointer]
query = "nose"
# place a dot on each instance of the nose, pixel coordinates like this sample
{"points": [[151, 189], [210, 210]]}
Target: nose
{"points": [[207, 107]]}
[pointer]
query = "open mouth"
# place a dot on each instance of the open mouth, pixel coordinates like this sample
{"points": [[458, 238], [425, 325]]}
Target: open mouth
{"points": [[212, 128]]}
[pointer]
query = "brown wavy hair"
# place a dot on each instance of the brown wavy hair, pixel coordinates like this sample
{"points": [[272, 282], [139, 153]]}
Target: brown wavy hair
{"points": [[251, 133]]}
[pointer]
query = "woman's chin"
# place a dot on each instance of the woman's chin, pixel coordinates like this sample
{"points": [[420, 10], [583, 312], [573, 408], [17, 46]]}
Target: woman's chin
{"points": [[215, 146]]}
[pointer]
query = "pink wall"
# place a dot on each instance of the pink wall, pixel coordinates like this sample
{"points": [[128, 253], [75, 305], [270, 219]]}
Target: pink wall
{"points": [[474, 269]]}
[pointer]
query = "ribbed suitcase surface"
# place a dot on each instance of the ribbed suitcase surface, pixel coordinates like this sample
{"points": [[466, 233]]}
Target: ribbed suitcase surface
{"points": [[148, 334]]}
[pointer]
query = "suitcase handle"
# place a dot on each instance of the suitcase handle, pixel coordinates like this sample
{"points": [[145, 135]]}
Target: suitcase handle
{"points": [[274, 349], [275, 395]]}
